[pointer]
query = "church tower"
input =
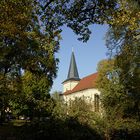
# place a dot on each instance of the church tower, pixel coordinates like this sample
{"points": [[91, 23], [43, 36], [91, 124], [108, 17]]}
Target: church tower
{"points": [[73, 76]]}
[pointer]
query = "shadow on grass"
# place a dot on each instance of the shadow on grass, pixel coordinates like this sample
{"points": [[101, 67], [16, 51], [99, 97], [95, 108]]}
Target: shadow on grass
{"points": [[52, 129]]}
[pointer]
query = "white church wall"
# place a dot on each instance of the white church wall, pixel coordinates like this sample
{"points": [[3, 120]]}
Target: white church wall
{"points": [[69, 85], [87, 94]]}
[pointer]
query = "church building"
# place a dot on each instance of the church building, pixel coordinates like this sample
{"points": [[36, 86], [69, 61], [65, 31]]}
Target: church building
{"points": [[74, 87]]}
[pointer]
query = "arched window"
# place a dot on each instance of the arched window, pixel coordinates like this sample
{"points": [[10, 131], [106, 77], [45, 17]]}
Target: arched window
{"points": [[96, 102]]}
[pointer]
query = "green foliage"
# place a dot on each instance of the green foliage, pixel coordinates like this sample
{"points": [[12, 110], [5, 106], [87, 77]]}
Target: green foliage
{"points": [[80, 112], [24, 47], [77, 14], [119, 77], [123, 40], [29, 38], [108, 84], [121, 111], [23, 44], [56, 95], [34, 99]]}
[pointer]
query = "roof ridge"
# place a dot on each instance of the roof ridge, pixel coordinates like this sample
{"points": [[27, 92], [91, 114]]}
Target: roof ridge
{"points": [[90, 75]]}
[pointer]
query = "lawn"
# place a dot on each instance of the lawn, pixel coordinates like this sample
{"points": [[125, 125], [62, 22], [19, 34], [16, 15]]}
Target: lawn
{"points": [[13, 129]]}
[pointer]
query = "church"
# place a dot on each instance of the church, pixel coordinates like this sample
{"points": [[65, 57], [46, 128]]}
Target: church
{"points": [[74, 87]]}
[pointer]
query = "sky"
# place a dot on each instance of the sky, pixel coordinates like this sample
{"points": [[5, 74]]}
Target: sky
{"points": [[87, 54]]}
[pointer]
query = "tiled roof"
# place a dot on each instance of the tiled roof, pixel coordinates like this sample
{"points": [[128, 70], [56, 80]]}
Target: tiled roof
{"points": [[85, 83]]}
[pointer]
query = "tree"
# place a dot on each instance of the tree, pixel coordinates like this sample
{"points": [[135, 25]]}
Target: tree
{"points": [[39, 30], [30, 35], [40, 27], [34, 99], [24, 47], [121, 98], [112, 91], [120, 107], [78, 119], [29, 39], [124, 37], [77, 15]]}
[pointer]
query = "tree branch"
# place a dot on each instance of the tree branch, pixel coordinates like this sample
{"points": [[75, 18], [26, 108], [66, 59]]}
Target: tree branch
{"points": [[47, 4]]}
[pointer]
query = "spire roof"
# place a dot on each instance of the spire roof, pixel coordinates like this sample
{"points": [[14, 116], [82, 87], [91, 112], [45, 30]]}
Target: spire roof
{"points": [[73, 71]]}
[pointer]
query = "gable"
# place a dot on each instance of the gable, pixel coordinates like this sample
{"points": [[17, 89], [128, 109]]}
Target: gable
{"points": [[87, 82]]}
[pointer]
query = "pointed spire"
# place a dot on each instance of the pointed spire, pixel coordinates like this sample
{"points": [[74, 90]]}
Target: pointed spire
{"points": [[73, 72]]}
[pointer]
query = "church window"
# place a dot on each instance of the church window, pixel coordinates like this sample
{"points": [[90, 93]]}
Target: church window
{"points": [[96, 102]]}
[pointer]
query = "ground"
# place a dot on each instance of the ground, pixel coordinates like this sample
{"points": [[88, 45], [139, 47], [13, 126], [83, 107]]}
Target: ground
{"points": [[12, 130]]}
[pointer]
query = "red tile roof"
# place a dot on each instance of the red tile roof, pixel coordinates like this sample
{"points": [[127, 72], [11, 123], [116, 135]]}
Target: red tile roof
{"points": [[85, 83]]}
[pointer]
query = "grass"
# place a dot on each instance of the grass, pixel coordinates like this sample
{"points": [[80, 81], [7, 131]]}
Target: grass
{"points": [[12, 129], [19, 122]]}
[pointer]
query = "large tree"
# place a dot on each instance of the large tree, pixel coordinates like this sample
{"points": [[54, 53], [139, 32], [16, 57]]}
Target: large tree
{"points": [[30, 34], [36, 25], [119, 77], [124, 38], [120, 106], [24, 47], [34, 100]]}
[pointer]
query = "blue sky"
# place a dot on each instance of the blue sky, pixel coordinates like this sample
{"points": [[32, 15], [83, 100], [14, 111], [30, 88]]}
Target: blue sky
{"points": [[87, 54]]}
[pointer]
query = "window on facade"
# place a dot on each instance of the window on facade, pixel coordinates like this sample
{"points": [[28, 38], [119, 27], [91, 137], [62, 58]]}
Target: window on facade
{"points": [[96, 102]]}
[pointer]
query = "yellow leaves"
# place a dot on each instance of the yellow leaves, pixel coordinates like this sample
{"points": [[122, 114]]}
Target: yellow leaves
{"points": [[27, 76], [104, 67], [14, 17], [126, 15], [8, 29]]}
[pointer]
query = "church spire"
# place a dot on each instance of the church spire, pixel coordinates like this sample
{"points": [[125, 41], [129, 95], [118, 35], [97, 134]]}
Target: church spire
{"points": [[73, 72]]}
